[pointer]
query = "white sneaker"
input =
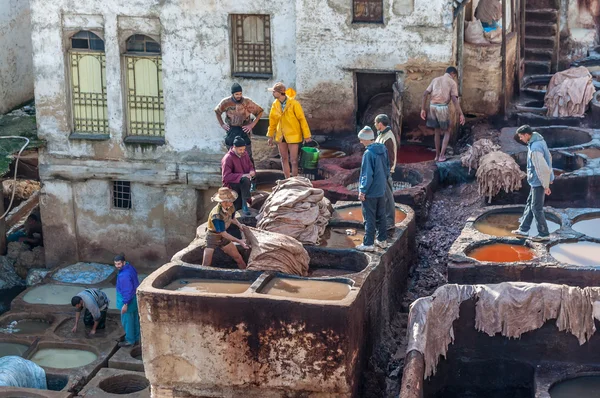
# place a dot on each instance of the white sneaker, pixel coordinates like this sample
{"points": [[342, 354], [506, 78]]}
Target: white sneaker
{"points": [[381, 244], [364, 248], [518, 232]]}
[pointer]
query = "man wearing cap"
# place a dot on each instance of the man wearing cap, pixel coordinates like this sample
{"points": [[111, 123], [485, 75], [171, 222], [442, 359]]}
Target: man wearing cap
{"points": [[238, 117], [288, 126], [374, 172], [443, 89], [127, 284], [237, 173], [219, 219], [95, 303], [539, 177], [386, 136]]}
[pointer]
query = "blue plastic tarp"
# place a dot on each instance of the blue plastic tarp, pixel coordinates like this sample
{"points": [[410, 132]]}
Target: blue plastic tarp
{"points": [[19, 372]]}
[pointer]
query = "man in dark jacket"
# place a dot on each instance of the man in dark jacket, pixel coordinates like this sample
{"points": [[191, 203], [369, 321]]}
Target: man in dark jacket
{"points": [[127, 284], [386, 136], [374, 172], [237, 173]]}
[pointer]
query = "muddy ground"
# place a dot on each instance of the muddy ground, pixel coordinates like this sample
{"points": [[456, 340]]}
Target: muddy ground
{"points": [[451, 207]]}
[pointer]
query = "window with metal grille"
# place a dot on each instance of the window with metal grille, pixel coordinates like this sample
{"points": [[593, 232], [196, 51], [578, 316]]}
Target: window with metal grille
{"points": [[88, 84], [145, 101], [122, 194], [251, 46], [368, 11]]}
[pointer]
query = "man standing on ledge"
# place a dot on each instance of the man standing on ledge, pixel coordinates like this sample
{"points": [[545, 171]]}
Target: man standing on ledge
{"points": [[288, 126], [443, 89], [127, 284], [539, 177], [386, 136], [374, 172], [238, 122]]}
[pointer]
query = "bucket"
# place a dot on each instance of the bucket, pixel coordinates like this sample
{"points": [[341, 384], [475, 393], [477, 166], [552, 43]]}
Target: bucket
{"points": [[310, 158]]}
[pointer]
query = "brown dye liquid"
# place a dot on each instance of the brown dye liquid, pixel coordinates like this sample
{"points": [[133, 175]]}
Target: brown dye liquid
{"points": [[336, 238], [502, 253], [354, 213], [197, 285], [26, 326], [500, 224], [306, 289], [331, 153], [592, 153], [577, 253], [589, 227], [557, 172], [579, 387], [318, 272]]}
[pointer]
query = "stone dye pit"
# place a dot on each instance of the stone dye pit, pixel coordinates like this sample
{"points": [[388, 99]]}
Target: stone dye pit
{"points": [[502, 223], [17, 349], [255, 342], [117, 383], [580, 387], [588, 225], [501, 253], [353, 213], [209, 286], [54, 294], [337, 238], [569, 257], [63, 358]]}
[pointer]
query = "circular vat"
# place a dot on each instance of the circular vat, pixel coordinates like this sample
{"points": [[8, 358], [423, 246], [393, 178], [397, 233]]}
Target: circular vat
{"points": [[536, 85], [29, 326], [563, 136], [63, 358], [354, 213], [580, 387], [341, 238], [501, 253], [325, 263], [16, 349], [325, 153], [403, 178], [52, 294], [588, 224], [124, 384], [136, 353], [266, 180], [562, 162], [414, 154], [306, 289], [581, 253], [501, 223]]}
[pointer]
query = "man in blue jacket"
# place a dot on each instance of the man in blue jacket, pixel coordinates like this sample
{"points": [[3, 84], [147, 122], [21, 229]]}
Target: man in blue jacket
{"points": [[127, 284], [374, 172], [539, 177]]}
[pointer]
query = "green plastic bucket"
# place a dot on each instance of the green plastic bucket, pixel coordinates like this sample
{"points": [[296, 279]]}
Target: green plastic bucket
{"points": [[310, 158]]}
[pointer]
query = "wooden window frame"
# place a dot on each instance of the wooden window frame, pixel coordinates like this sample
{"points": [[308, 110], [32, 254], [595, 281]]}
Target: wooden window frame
{"points": [[367, 4], [250, 53], [122, 198]]}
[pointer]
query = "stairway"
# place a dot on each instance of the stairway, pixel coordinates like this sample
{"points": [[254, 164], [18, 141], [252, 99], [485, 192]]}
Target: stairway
{"points": [[541, 37]]}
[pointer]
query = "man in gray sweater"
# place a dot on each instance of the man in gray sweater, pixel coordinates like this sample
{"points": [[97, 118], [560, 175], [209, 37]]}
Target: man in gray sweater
{"points": [[95, 302]]}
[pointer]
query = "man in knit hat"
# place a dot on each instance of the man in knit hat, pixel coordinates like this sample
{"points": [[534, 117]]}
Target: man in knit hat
{"points": [[239, 111], [238, 173], [386, 136], [374, 172]]}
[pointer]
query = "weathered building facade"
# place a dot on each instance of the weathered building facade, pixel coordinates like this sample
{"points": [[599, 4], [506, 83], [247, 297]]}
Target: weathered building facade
{"points": [[16, 66]]}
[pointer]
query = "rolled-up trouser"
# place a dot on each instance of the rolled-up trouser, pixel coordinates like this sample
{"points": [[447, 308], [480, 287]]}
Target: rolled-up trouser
{"points": [[390, 204], [535, 209], [130, 320], [243, 190], [88, 319], [375, 220]]}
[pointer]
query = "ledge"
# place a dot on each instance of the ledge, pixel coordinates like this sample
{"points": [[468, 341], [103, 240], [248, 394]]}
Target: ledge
{"points": [[138, 139], [89, 136], [247, 75]]}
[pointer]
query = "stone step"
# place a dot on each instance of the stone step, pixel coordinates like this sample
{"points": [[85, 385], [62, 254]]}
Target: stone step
{"points": [[538, 54], [539, 41], [537, 67], [542, 4], [541, 15], [540, 29]]}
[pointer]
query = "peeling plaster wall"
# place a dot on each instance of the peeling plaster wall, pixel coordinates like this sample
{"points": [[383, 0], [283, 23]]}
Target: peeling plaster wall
{"points": [[16, 68], [417, 34]]}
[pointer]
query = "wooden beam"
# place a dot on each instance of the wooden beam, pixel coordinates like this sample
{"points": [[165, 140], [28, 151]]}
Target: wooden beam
{"points": [[460, 43], [503, 52]]}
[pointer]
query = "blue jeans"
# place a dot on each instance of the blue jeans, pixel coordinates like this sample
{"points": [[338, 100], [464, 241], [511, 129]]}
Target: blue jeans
{"points": [[535, 209], [374, 213], [130, 320], [390, 203]]}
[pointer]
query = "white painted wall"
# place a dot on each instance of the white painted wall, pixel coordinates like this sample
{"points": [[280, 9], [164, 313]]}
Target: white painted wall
{"points": [[16, 70]]}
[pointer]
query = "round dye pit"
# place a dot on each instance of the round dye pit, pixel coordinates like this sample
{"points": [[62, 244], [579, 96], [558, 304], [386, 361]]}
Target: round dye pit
{"points": [[561, 137], [500, 224], [336, 238], [306, 289], [577, 253], [52, 294], [63, 358], [354, 213], [124, 384], [267, 187], [589, 226], [501, 253], [579, 387], [25, 327], [331, 154], [7, 349], [198, 285], [111, 293], [591, 153], [414, 154]]}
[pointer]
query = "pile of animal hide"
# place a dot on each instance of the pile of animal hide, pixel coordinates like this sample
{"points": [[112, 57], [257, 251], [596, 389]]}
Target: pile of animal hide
{"points": [[498, 171], [275, 252], [569, 93], [480, 148], [24, 188], [296, 209]]}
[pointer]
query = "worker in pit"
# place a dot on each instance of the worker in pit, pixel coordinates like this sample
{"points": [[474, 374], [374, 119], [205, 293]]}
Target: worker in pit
{"points": [[219, 219], [95, 303], [442, 89], [127, 284], [31, 232]]}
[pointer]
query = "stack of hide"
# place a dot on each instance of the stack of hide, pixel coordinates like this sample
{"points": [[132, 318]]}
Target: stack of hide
{"points": [[296, 209], [498, 171], [480, 148], [569, 92]]}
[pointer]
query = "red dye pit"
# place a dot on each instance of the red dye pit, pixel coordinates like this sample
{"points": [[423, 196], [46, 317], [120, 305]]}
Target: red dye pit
{"points": [[502, 253], [414, 154], [354, 213]]}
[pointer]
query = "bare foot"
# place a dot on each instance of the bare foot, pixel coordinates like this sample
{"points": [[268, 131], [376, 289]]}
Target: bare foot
{"points": [[442, 158], [436, 158]]}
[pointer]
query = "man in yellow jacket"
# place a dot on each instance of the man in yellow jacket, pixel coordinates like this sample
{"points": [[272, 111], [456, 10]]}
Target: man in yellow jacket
{"points": [[288, 126]]}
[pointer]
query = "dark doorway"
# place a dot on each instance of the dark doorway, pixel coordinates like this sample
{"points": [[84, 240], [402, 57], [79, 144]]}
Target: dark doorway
{"points": [[374, 95]]}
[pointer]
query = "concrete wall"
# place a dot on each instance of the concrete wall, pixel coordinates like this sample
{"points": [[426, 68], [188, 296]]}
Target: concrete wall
{"points": [[16, 70]]}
